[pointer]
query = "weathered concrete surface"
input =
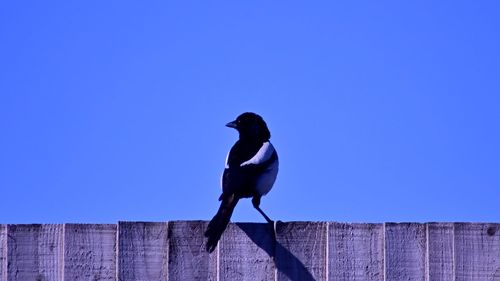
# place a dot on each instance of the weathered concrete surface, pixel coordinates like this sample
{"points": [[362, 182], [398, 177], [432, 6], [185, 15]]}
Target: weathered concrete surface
{"points": [[251, 251]]}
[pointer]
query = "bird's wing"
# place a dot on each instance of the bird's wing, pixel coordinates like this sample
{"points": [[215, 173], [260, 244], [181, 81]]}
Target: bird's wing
{"points": [[242, 177], [264, 154]]}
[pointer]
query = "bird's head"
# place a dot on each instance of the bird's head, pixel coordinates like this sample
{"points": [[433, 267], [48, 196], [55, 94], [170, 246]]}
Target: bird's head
{"points": [[251, 126]]}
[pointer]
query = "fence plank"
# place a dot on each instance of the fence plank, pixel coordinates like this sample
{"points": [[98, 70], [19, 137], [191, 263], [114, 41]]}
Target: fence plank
{"points": [[301, 250], [477, 251], [35, 252], [188, 259], [90, 252], [405, 250], [356, 251], [246, 252], [142, 251], [440, 245], [3, 252]]}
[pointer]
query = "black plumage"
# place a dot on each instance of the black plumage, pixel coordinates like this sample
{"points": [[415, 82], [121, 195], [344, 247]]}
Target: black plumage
{"points": [[250, 171]]}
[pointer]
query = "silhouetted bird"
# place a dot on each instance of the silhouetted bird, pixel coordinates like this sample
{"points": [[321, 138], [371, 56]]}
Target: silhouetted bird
{"points": [[250, 171]]}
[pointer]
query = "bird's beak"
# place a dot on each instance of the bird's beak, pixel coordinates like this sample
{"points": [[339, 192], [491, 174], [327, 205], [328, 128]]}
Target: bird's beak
{"points": [[232, 124]]}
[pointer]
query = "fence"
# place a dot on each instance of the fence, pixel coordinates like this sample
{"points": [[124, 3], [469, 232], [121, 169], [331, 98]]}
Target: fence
{"points": [[251, 251]]}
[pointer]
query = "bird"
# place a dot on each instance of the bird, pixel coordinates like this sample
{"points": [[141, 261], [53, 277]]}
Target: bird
{"points": [[250, 171]]}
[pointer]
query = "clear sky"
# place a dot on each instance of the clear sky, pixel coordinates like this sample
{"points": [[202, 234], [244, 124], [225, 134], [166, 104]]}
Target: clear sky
{"points": [[379, 110]]}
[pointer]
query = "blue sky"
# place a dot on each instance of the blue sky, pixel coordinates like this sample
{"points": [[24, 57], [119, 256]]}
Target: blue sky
{"points": [[379, 110]]}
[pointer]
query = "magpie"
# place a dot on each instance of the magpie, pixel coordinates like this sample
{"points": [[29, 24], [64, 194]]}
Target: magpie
{"points": [[250, 171]]}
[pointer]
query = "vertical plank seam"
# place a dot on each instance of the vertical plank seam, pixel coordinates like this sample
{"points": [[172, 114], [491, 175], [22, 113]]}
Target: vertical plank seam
{"points": [[168, 248], [384, 251], [327, 252], [275, 255], [453, 267], [5, 252], [217, 261], [63, 256], [426, 263], [117, 252]]}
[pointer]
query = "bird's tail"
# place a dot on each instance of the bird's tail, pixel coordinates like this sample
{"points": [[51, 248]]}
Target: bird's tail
{"points": [[220, 221]]}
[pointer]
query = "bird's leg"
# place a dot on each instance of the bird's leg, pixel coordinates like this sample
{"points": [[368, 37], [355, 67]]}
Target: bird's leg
{"points": [[256, 204], [256, 201], [264, 215]]}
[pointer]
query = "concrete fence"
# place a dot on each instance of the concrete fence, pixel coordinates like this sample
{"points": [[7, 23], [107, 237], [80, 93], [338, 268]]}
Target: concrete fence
{"points": [[251, 251]]}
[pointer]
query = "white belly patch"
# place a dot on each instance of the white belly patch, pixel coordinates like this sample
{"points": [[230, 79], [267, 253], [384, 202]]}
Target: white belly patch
{"points": [[267, 179]]}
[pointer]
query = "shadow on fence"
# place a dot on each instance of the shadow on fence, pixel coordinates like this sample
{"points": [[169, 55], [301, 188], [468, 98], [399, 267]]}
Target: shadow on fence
{"points": [[286, 262]]}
